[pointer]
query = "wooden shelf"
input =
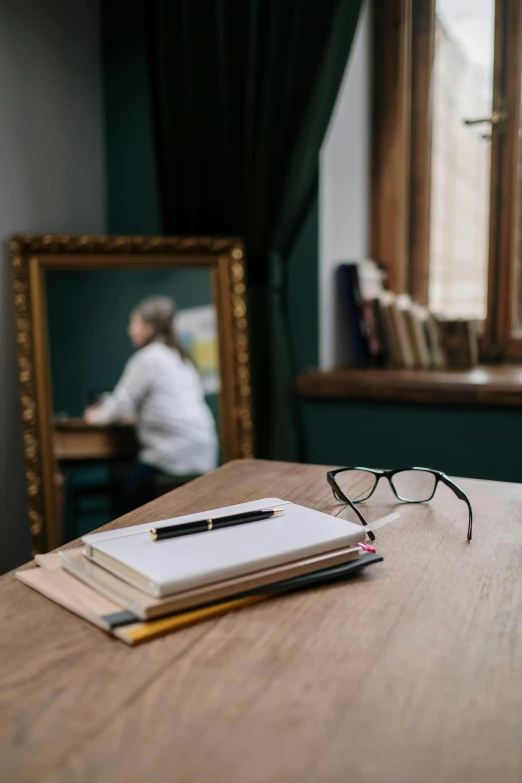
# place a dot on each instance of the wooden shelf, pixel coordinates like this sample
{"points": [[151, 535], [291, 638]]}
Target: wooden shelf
{"points": [[483, 385]]}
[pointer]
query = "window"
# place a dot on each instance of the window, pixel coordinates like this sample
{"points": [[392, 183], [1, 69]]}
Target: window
{"points": [[447, 159], [461, 157]]}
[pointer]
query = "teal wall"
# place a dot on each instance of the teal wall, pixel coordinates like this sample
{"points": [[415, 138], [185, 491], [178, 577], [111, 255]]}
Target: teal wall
{"points": [[132, 195], [477, 442]]}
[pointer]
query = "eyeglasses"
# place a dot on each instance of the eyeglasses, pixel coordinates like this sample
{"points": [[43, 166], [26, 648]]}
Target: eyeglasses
{"points": [[409, 485]]}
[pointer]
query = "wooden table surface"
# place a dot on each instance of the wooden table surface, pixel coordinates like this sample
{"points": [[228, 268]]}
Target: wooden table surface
{"points": [[410, 674]]}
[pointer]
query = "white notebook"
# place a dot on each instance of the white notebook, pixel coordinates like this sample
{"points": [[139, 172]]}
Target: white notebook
{"points": [[166, 567]]}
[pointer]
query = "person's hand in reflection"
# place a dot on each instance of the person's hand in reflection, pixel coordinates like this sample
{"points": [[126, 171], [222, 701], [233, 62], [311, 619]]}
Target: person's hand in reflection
{"points": [[91, 414]]}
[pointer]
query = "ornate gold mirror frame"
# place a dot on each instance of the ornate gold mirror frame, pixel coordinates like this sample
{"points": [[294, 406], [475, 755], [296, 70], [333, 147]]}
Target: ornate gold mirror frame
{"points": [[32, 256]]}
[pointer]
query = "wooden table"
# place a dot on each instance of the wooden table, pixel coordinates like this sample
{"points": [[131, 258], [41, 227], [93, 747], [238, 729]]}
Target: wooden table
{"points": [[410, 674], [73, 439], [76, 441]]}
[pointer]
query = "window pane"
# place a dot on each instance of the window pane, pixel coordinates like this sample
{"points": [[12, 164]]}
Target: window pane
{"points": [[462, 89]]}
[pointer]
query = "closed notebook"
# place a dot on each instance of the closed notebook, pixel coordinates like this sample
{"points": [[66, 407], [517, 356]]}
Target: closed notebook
{"points": [[171, 566], [146, 607]]}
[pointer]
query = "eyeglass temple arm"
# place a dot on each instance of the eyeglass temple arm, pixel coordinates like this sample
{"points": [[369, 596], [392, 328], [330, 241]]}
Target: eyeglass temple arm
{"points": [[342, 498], [462, 496]]}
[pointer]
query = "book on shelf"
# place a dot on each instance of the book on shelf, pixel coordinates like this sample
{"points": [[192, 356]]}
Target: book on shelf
{"points": [[371, 286], [353, 315], [473, 334], [395, 317], [381, 356], [409, 333], [360, 285], [417, 317], [438, 357], [387, 306], [401, 313], [459, 341], [384, 329]]}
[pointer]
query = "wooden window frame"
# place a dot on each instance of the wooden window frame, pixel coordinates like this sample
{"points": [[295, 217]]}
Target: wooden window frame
{"points": [[403, 58], [502, 341], [391, 111]]}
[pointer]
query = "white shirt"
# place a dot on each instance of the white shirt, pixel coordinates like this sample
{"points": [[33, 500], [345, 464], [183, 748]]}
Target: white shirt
{"points": [[175, 427]]}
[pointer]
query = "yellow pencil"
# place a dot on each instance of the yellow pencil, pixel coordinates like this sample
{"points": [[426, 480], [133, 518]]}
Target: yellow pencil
{"points": [[143, 631]]}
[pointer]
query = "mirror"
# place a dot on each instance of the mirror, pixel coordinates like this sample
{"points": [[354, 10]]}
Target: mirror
{"points": [[92, 455]]}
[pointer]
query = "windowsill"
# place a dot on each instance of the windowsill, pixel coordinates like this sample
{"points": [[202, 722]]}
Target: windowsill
{"points": [[483, 385]]}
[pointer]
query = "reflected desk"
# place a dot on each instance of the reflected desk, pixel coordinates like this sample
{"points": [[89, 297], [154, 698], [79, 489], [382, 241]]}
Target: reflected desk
{"points": [[75, 440]]}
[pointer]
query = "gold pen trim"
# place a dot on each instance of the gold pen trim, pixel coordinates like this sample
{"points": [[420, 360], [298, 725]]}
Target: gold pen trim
{"points": [[154, 534], [209, 524]]}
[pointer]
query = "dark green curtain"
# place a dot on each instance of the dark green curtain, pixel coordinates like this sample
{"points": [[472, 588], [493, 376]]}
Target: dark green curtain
{"points": [[243, 91]]}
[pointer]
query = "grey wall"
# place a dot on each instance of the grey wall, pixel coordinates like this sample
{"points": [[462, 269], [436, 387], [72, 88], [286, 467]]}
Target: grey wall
{"points": [[344, 191], [52, 180]]}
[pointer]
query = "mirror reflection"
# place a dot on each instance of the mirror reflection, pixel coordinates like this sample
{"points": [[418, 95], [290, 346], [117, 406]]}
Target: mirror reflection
{"points": [[135, 387]]}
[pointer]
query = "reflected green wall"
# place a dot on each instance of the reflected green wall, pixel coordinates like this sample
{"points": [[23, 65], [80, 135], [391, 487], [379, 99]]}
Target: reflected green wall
{"points": [[88, 312]]}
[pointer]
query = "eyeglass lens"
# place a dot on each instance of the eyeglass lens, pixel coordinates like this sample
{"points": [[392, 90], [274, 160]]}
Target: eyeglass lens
{"points": [[414, 485], [356, 484]]}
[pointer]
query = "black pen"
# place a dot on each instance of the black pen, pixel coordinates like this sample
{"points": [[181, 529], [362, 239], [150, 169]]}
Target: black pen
{"points": [[204, 525]]}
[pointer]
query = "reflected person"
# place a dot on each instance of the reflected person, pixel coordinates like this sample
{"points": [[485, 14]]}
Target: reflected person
{"points": [[161, 391]]}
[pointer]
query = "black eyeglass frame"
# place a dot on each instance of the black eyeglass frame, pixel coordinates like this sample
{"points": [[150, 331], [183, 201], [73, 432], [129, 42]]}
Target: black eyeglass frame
{"points": [[389, 474]]}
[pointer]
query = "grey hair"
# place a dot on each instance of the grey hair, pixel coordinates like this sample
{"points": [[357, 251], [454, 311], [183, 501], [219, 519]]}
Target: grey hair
{"points": [[159, 312]]}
